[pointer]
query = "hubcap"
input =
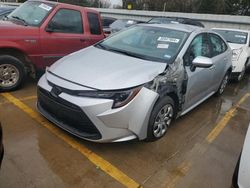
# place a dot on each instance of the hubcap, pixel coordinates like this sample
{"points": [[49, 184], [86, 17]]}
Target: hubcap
{"points": [[163, 120], [223, 84], [9, 75]]}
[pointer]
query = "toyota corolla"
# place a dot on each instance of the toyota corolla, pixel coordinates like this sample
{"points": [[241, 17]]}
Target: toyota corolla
{"points": [[134, 83]]}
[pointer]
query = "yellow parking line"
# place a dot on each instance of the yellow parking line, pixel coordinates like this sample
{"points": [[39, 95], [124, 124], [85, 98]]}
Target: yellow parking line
{"points": [[94, 158], [21, 99], [28, 98], [181, 171], [184, 167], [224, 121]]}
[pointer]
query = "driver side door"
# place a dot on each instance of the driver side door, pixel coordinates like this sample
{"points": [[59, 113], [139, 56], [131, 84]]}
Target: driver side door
{"points": [[199, 79], [63, 35]]}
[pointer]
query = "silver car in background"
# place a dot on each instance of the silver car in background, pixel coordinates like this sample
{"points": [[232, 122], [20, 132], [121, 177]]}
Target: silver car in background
{"points": [[134, 83]]}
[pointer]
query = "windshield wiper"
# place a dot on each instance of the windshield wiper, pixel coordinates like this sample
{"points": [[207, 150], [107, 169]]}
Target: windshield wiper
{"points": [[131, 54], [18, 18], [99, 45]]}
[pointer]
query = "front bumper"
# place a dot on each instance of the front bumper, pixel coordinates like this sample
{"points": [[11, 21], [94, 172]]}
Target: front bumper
{"points": [[94, 119]]}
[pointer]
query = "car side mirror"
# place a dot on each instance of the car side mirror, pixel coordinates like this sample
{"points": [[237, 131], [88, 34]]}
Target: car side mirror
{"points": [[202, 62], [51, 27]]}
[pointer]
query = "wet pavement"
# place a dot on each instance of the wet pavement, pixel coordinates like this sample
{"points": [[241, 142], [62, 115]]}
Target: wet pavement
{"points": [[185, 157]]}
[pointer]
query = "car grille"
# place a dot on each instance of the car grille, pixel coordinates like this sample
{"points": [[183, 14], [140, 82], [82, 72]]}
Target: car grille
{"points": [[66, 115]]}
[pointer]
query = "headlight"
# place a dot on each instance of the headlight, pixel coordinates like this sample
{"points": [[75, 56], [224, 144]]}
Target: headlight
{"points": [[236, 54], [121, 98]]}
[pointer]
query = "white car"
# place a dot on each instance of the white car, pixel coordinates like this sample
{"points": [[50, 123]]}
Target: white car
{"points": [[238, 40], [242, 170]]}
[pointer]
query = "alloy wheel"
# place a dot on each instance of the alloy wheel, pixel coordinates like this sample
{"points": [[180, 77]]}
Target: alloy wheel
{"points": [[163, 120]]}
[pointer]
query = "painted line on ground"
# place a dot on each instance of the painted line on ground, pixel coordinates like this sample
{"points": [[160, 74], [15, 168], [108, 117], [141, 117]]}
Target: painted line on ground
{"points": [[104, 165], [180, 171], [21, 99], [224, 121], [185, 166]]}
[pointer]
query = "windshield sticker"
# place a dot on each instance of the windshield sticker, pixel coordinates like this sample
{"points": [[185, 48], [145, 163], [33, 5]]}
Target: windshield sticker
{"points": [[163, 46], [167, 56], [166, 39], [175, 22], [130, 22], [45, 7], [240, 36]]}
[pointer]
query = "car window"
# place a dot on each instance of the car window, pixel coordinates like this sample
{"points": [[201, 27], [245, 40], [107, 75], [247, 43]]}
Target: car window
{"points": [[237, 37], [67, 21], [218, 46], [107, 21], [94, 23], [198, 47]]}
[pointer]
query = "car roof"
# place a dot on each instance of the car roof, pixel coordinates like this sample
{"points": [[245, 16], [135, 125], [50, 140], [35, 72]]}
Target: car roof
{"points": [[180, 27], [182, 20], [232, 29]]}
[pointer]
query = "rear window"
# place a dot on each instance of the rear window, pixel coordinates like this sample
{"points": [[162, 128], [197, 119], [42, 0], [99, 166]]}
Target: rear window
{"points": [[233, 36], [94, 23]]}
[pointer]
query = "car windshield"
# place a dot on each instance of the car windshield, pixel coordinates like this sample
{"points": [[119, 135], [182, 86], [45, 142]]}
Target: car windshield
{"points": [[146, 42], [31, 13], [233, 36]]}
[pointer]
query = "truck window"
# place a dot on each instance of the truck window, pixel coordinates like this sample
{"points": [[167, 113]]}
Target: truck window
{"points": [[66, 21], [94, 23]]}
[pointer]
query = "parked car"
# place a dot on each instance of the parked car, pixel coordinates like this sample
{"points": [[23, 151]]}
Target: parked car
{"points": [[133, 84], [5, 11], [1, 145], [178, 20], [120, 24], [242, 170], [46, 32], [106, 22], [239, 42]]}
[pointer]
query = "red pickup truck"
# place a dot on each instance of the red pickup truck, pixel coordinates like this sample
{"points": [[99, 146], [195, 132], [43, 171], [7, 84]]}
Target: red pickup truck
{"points": [[38, 33]]}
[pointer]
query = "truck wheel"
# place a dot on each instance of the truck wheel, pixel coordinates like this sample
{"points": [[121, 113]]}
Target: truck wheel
{"points": [[222, 85], [12, 73], [161, 116]]}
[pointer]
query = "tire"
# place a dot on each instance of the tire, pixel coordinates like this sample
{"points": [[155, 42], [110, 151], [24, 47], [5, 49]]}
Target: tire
{"points": [[12, 73], [236, 174], [157, 126], [222, 85], [241, 75]]}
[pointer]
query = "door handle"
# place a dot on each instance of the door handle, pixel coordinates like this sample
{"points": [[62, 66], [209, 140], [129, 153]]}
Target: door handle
{"points": [[212, 67], [82, 40]]}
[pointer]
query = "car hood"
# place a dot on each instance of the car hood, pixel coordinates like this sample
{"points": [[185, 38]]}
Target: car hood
{"points": [[105, 70], [10, 29], [236, 46]]}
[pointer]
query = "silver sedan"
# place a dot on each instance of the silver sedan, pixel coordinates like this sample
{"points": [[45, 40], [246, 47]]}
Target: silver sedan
{"points": [[134, 83]]}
